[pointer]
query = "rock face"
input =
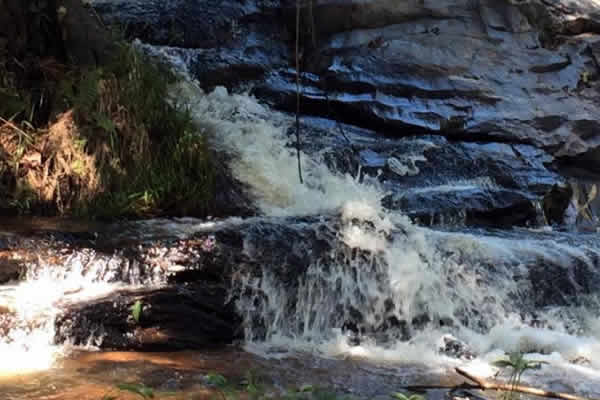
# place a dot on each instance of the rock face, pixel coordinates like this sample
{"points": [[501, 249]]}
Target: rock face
{"points": [[518, 72], [504, 89], [198, 285], [183, 286]]}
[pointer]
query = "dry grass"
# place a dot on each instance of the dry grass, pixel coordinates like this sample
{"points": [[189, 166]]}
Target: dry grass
{"points": [[118, 149], [49, 166]]}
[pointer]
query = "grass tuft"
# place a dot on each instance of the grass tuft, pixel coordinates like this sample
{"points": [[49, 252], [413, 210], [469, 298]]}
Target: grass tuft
{"points": [[118, 146]]}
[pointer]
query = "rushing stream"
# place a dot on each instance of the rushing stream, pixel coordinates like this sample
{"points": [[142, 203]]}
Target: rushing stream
{"points": [[390, 301]]}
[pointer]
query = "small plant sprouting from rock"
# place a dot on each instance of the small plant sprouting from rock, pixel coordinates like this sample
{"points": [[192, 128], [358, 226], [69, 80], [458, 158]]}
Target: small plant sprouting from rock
{"points": [[136, 311], [518, 364], [216, 380], [137, 388], [402, 396], [252, 384]]}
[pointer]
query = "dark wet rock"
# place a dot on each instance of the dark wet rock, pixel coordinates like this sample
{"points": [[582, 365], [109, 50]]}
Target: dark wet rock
{"points": [[519, 211], [195, 305], [201, 283], [177, 317], [481, 71], [12, 266], [227, 43], [350, 329], [10, 269], [441, 182], [555, 283], [474, 207], [581, 360], [453, 347], [555, 204], [181, 23], [510, 86]]}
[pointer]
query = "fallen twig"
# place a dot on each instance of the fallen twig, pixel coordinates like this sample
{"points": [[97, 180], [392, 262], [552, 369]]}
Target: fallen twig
{"points": [[484, 384]]}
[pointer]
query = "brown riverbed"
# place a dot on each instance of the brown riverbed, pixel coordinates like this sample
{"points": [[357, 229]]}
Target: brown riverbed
{"points": [[181, 375]]}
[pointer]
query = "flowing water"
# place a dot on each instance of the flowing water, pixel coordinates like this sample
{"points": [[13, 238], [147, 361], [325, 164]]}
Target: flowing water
{"points": [[370, 314]]}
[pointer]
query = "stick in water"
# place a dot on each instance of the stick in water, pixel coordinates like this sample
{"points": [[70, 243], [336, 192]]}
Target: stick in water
{"points": [[489, 385]]}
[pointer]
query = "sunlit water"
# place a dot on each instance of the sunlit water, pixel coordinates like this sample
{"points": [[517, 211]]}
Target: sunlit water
{"points": [[381, 266]]}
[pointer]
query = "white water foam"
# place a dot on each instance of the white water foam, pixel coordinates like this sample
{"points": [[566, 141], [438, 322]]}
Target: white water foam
{"points": [[32, 305], [267, 163], [443, 274]]}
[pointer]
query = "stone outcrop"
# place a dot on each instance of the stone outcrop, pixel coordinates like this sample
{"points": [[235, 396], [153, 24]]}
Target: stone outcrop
{"points": [[200, 285], [522, 76]]}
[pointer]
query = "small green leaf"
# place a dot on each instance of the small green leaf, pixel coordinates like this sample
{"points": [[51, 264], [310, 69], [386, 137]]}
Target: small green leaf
{"points": [[136, 311], [138, 388], [502, 364], [216, 380], [306, 388], [402, 396]]}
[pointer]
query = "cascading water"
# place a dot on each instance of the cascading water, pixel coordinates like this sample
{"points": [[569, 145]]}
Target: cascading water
{"points": [[398, 288], [387, 290], [28, 308]]}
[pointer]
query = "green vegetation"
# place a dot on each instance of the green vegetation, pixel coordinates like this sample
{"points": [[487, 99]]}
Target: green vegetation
{"points": [[518, 365], [136, 311], [115, 143], [160, 165], [139, 389], [251, 387], [402, 396]]}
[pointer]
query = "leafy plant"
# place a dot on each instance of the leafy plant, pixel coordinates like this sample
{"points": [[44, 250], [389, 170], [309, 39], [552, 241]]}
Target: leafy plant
{"points": [[402, 396], [518, 364], [216, 380], [136, 310], [252, 384], [306, 388], [137, 388]]}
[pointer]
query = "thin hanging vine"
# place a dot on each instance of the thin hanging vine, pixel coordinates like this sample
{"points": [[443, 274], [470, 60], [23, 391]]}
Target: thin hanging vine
{"points": [[313, 28], [298, 90]]}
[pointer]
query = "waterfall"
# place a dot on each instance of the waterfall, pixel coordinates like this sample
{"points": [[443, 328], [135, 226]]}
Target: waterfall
{"points": [[388, 290], [29, 307], [397, 286]]}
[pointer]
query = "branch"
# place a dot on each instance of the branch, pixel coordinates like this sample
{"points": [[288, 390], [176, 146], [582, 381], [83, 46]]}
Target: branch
{"points": [[484, 384]]}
